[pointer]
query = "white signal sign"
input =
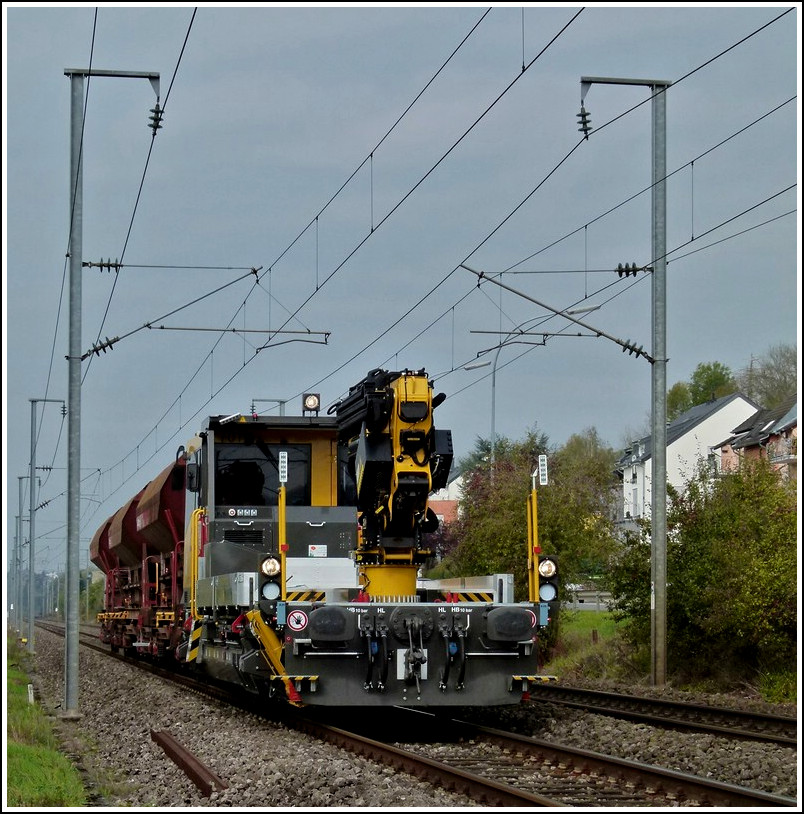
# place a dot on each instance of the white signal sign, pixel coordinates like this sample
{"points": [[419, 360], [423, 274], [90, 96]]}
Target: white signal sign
{"points": [[297, 620], [542, 470], [283, 467]]}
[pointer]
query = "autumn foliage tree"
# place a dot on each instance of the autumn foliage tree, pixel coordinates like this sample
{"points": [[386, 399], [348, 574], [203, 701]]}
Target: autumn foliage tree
{"points": [[492, 525], [731, 573], [772, 377], [768, 379], [574, 509]]}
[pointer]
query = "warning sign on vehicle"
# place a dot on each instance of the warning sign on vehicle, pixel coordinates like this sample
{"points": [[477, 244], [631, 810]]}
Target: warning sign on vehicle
{"points": [[297, 620]]}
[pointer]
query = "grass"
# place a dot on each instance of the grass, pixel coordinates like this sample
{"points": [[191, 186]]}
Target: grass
{"points": [[779, 687], [37, 773], [590, 645]]}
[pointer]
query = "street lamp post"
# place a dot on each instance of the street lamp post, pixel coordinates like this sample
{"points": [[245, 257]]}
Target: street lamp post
{"points": [[472, 366], [493, 439], [658, 365]]}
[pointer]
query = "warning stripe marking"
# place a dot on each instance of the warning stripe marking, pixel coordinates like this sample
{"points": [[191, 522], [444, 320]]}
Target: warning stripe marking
{"points": [[195, 641], [525, 680], [473, 597], [305, 596]]}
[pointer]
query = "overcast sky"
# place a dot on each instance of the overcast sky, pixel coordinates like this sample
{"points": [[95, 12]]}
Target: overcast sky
{"points": [[356, 157]]}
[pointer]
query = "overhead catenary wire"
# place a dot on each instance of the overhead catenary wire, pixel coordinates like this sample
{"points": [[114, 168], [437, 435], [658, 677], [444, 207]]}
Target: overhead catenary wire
{"points": [[369, 157], [72, 216], [544, 318], [351, 359], [371, 154], [67, 253], [407, 195], [139, 192], [436, 165], [555, 168], [648, 188], [339, 368], [539, 320]]}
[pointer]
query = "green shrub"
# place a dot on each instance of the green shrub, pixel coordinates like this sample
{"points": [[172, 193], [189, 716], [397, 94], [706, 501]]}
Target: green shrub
{"points": [[731, 577]]}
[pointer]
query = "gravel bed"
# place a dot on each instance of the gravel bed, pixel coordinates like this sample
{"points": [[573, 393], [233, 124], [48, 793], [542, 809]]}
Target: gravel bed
{"points": [[761, 766], [269, 766], [266, 765]]}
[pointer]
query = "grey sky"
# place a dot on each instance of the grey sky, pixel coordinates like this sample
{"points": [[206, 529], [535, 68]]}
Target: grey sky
{"points": [[272, 109]]}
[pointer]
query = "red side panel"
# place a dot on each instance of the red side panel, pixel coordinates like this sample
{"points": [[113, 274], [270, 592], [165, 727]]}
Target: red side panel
{"points": [[99, 548], [160, 512], [124, 540]]}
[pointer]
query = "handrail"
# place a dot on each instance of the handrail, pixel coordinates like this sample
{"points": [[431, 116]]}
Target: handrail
{"points": [[196, 520]]}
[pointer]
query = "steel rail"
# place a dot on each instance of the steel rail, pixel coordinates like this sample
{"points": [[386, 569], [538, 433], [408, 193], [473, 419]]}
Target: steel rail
{"points": [[779, 729]]}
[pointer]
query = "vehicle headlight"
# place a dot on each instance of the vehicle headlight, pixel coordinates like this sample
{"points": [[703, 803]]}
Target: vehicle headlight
{"points": [[547, 568], [270, 590], [270, 566], [547, 592]]}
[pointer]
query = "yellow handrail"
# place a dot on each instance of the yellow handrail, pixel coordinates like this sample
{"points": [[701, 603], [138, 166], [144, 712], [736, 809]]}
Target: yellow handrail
{"points": [[283, 543], [533, 548], [195, 523]]}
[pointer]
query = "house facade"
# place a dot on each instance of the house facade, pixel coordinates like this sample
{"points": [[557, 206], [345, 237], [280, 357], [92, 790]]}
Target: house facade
{"points": [[770, 434], [690, 440], [444, 502]]}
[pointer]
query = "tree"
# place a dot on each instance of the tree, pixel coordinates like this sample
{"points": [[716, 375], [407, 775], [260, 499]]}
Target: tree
{"points": [[731, 573], [768, 381], [710, 380], [574, 519], [479, 456], [771, 378], [492, 525], [679, 400], [573, 509]]}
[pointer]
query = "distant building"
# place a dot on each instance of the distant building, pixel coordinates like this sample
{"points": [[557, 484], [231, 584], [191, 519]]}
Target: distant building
{"points": [[770, 434], [444, 502], [692, 437]]}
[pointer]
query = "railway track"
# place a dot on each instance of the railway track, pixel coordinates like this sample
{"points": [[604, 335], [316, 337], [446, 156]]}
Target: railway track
{"points": [[722, 721], [561, 775], [577, 777], [731, 723], [477, 787], [499, 768]]}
